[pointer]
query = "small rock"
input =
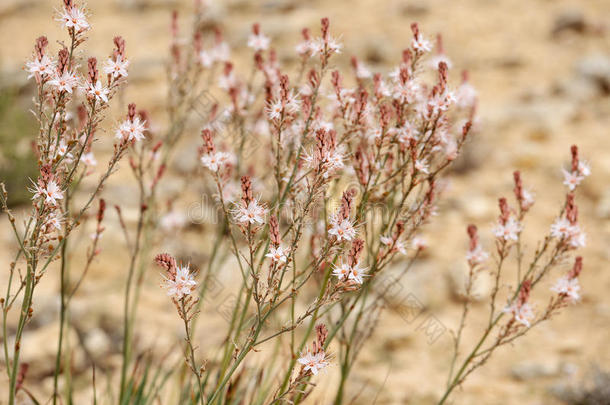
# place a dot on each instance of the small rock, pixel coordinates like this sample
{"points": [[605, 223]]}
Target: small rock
{"points": [[530, 370], [570, 20], [596, 69]]}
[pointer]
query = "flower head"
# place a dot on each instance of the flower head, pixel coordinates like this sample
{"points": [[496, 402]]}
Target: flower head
{"points": [[313, 362], [509, 230], [51, 192], [98, 91], [64, 82], [570, 287], [277, 254], [181, 284], [44, 67], [73, 17], [116, 68], [341, 228], [131, 129], [253, 213]]}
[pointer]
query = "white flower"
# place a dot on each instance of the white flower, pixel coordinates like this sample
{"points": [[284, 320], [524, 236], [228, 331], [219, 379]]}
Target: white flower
{"points": [[406, 133], [561, 228], [406, 92], [66, 82], [398, 245], [363, 72], [421, 44], [341, 228], [303, 47], [508, 231], [253, 213], [73, 17], [584, 168], [357, 273], [116, 68], [466, 95], [51, 193], [419, 243], [182, 285], [477, 255], [567, 286], [98, 91], [318, 45], [523, 313], [274, 110], [293, 104], [43, 67], [313, 362], [342, 271], [54, 220], [206, 59], [88, 159], [258, 42], [214, 161], [578, 238], [572, 179], [528, 199], [277, 255], [132, 130]]}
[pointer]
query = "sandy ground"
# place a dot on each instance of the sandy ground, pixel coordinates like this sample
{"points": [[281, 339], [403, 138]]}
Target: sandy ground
{"points": [[537, 97]]}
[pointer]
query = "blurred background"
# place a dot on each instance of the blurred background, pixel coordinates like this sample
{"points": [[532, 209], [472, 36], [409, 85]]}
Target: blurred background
{"points": [[542, 71]]}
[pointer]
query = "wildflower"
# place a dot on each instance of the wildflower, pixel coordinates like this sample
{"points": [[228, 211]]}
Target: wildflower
{"points": [[399, 246], [116, 68], [181, 283], [258, 41], [88, 159], [419, 243], [342, 271], [523, 313], [51, 192], [277, 254], [313, 362], [477, 255], [568, 287], [43, 67], [214, 161], [356, 274], [561, 228], [131, 129], [509, 230], [206, 58], [64, 82], [73, 17], [520, 308], [98, 91], [341, 228], [54, 221], [572, 179], [251, 214], [274, 110]]}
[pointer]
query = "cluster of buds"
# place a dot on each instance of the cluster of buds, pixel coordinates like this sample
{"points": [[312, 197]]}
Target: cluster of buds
{"points": [[341, 227], [476, 255], [520, 309], [212, 159], [315, 359], [508, 227], [524, 197], [249, 212], [578, 171], [132, 129], [566, 229], [351, 272], [179, 281]]}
